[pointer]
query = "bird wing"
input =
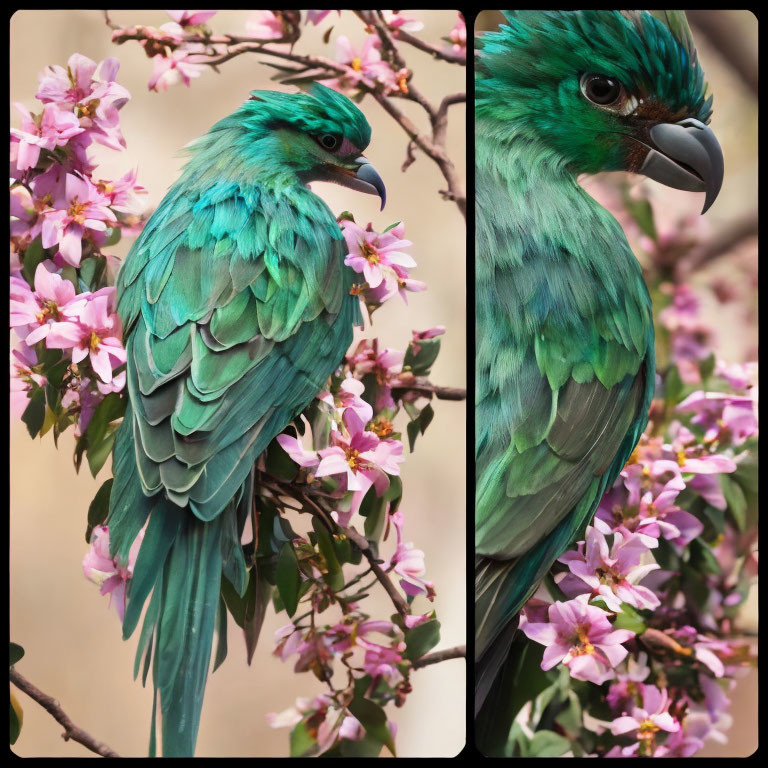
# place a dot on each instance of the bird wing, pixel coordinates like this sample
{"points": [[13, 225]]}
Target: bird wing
{"points": [[559, 411], [237, 308]]}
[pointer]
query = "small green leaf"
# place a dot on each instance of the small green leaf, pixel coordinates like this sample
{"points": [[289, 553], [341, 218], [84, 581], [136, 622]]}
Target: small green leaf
{"points": [[629, 619], [374, 720], [16, 718], [221, 631], [301, 742], [279, 464], [34, 413], [421, 639], [737, 501], [288, 578], [16, 653], [334, 577], [33, 256], [421, 362], [98, 455], [99, 508], [548, 744]]}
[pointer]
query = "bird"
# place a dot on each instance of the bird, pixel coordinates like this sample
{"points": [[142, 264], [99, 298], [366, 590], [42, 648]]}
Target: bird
{"points": [[564, 366], [236, 308]]}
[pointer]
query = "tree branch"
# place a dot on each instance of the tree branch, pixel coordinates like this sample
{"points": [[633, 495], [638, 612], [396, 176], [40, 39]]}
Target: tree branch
{"points": [[743, 228], [71, 731], [362, 544], [459, 652], [432, 50], [441, 393]]}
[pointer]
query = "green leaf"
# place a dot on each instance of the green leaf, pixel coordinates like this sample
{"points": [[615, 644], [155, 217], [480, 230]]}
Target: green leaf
{"points": [[33, 256], [288, 578], [99, 508], [374, 720], [707, 366], [421, 362], [16, 718], [111, 408], [642, 212], [421, 639], [673, 385], [737, 501], [279, 464], [16, 653], [98, 455], [629, 619], [548, 744], [334, 576], [301, 742], [34, 413]]}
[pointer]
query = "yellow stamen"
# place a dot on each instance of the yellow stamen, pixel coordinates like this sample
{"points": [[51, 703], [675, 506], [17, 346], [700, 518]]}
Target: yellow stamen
{"points": [[357, 64]]}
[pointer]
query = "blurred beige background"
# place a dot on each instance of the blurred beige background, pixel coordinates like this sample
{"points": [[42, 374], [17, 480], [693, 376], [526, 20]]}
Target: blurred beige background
{"points": [[72, 640], [723, 38]]}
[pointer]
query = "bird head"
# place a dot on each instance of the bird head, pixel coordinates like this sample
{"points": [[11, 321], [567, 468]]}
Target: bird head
{"points": [[316, 136], [604, 91]]}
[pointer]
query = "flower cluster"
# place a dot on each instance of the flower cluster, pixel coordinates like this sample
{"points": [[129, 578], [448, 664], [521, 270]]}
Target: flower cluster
{"points": [[69, 355], [107, 572], [347, 449], [639, 621]]}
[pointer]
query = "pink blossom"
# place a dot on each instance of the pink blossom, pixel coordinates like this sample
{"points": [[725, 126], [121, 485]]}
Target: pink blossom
{"points": [[396, 20], [649, 718], [408, 563], [25, 221], [385, 365], [91, 92], [613, 575], [107, 572], [723, 416], [458, 37], [264, 25], [363, 67], [122, 194], [23, 378], [362, 458], [173, 69], [93, 331], [580, 636], [623, 695], [349, 400], [375, 255], [317, 16], [81, 211], [294, 448], [33, 313], [53, 128], [191, 18]]}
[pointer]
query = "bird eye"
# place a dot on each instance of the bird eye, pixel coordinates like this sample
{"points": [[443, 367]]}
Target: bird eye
{"points": [[329, 141], [601, 90]]}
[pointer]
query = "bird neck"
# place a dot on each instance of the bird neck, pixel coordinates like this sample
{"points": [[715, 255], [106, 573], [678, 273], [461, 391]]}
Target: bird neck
{"points": [[529, 200]]}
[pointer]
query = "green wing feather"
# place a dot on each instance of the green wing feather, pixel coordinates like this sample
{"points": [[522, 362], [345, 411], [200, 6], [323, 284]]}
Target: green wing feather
{"points": [[236, 308]]}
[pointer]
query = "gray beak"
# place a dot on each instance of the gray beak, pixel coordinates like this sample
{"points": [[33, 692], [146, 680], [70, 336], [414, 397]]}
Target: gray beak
{"points": [[367, 180], [686, 155]]}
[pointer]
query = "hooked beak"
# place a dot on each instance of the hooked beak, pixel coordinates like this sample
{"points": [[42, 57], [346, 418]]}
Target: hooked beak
{"points": [[686, 155], [365, 179]]}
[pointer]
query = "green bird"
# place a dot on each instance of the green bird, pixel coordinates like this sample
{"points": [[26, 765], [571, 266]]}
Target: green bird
{"points": [[565, 347], [236, 308]]}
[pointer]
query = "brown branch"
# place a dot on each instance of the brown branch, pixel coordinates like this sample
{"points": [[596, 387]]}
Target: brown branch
{"points": [[743, 228], [362, 544], [459, 652], [438, 53], [71, 731], [427, 389], [728, 39]]}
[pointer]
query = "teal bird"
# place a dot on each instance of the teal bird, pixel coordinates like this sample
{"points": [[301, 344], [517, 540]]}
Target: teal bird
{"points": [[565, 348], [236, 308]]}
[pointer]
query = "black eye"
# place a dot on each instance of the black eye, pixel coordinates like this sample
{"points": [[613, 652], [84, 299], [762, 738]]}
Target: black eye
{"points": [[601, 89], [329, 141]]}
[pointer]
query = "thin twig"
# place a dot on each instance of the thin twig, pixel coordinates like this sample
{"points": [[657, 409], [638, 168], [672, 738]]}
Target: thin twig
{"points": [[362, 544], [441, 393], [438, 53], [71, 731], [743, 228], [459, 652]]}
